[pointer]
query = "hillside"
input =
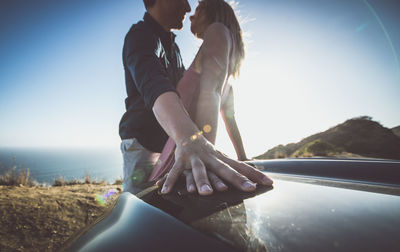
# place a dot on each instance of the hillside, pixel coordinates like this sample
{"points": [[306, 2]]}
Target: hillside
{"points": [[396, 131], [44, 218], [356, 137]]}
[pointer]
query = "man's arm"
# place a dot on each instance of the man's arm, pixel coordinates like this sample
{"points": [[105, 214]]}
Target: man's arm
{"points": [[149, 75], [193, 150], [173, 117]]}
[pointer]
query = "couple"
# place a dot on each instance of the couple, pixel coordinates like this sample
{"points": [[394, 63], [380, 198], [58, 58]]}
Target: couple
{"points": [[174, 112]]}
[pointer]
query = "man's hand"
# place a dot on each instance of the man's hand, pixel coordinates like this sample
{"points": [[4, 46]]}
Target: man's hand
{"points": [[216, 182], [200, 156]]}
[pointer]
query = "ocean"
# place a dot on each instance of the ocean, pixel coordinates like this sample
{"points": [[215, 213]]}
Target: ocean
{"points": [[45, 165]]}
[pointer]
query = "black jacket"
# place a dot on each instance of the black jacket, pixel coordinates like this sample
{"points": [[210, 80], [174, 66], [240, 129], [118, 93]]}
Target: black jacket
{"points": [[153, 66]]}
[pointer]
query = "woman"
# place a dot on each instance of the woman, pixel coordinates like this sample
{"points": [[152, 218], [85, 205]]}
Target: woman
{"points": [[204, 88], [220, 17]]}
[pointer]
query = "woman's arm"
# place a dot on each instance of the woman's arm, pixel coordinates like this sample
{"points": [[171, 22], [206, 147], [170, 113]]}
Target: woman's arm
{"points": [[228, 115], [214, 70]]}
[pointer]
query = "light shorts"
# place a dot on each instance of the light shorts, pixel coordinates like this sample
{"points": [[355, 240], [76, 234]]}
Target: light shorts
{"points": [[138, 165]]}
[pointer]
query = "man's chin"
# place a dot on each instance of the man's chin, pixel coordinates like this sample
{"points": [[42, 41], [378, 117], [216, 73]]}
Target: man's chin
{"points": [[177, 26]]}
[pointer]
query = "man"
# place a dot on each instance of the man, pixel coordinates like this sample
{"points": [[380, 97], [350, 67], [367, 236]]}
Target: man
{"points": [[153, 67]]}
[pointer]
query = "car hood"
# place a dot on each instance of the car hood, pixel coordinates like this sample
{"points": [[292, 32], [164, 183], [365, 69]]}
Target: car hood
{"points": [[299, 213]]}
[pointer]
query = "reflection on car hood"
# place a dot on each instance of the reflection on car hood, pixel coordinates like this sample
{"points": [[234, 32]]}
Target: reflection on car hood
{"points": [[305, 217], [303, 212], [300, 213]]}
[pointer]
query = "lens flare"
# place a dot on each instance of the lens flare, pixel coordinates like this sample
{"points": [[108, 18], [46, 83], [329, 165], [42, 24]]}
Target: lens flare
{"points": [[195, 136], [372, 10], [101, 199], [109, 193], [207, 128], [229, 114], [361, 27], [138, 176]]}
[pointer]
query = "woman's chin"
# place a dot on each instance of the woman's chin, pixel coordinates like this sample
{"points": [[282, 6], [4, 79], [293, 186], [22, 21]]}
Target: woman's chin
{"points": [[197, 35], [193, 31]]}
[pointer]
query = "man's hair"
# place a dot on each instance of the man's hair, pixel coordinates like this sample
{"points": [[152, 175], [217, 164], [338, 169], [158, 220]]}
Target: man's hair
{"points": [[148, 3]]}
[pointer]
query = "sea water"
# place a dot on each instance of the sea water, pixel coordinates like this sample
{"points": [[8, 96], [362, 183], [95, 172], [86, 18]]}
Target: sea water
{"points": [[46, 164]]}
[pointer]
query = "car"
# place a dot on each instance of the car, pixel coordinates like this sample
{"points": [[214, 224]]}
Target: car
{"points": [[315, 204]]}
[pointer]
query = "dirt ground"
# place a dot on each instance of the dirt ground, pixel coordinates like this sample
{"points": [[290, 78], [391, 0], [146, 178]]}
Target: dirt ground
{"points": [[44, 218]]}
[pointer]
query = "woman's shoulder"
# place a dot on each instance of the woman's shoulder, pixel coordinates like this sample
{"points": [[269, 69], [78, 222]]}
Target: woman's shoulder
{"points": [[217, 43], [217, 29]]}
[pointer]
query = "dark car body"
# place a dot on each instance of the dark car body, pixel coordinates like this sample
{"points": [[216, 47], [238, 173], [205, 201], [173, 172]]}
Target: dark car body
{"points": [[314, 205]]}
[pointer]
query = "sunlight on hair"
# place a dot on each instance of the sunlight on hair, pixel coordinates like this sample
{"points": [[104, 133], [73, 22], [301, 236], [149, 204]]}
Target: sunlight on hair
{"points": [[236, 6]]}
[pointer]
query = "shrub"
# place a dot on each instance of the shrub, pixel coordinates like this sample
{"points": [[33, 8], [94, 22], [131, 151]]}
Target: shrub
{"points": [[87, 179], [16, 176], [118, 182], [320, 148]]}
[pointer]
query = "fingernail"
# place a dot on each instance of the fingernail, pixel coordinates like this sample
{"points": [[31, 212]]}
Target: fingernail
{"points": [[267, 181], [164, 189], [191, 188], [206, 188], [249, 185], [221, 185]]}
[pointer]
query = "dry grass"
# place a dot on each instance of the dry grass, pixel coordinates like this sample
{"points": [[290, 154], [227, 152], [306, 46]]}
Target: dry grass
{"points": [[16, 176], [87, 180], [19, 176], [118, 182], [44, 218], [34, 217]]}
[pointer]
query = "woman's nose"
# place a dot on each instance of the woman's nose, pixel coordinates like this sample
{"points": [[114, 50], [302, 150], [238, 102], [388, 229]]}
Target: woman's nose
{"points": [[191, 18]]}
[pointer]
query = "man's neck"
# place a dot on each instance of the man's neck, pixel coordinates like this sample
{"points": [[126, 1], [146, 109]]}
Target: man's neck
{"points": [[156, 15]]}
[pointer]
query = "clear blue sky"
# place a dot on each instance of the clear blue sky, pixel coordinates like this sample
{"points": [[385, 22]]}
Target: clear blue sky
{"points": [[310, 65]]}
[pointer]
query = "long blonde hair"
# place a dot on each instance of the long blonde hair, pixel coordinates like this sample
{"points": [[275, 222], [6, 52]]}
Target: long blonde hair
{"points": [[220, 11]]}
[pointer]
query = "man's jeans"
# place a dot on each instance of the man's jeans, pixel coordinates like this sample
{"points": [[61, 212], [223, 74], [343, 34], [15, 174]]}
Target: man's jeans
{"points": [[138, 165]]}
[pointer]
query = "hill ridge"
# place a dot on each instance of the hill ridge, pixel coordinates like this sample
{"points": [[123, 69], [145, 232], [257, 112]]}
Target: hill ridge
{"points": [[356, 137], [396, 130]]}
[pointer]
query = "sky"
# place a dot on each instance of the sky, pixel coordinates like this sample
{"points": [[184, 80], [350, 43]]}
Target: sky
{"points": [[309, 66]]}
